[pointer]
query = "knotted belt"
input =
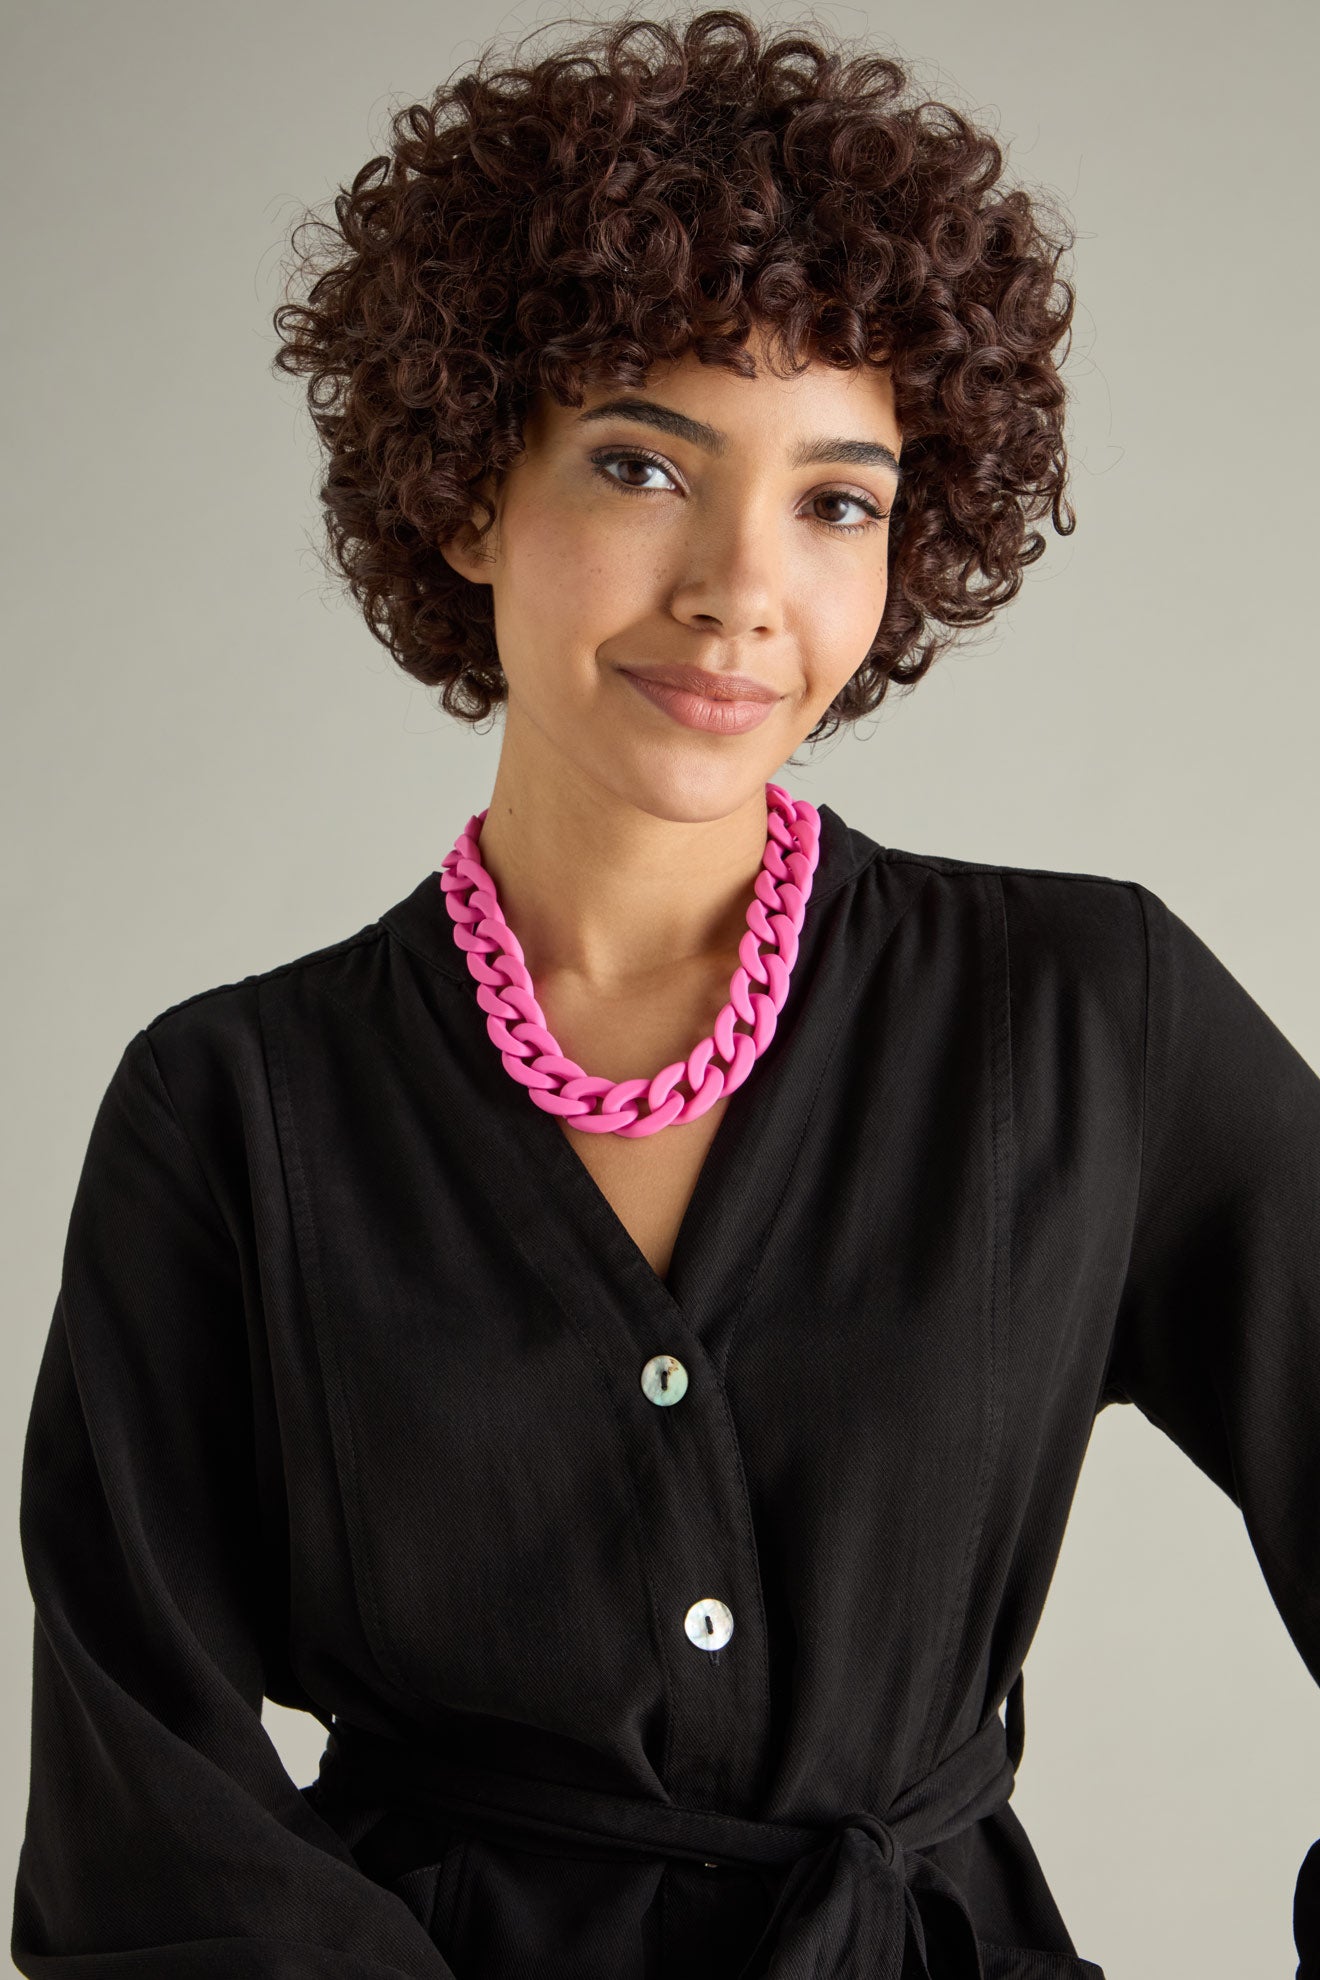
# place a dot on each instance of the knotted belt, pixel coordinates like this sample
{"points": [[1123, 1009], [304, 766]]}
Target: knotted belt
{"points": [[858, 1902]]}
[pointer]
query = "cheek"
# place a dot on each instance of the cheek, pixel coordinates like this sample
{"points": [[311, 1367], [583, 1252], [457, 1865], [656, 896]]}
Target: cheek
{"points": [[563, 582], [563, 592], [844, 618]]}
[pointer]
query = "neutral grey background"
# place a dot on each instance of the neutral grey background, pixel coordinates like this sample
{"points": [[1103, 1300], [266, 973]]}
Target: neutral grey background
{"points": [[210, 767]]}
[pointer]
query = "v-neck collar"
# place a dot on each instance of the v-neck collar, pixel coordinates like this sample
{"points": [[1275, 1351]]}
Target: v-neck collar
{"points": [[749, 1160]]}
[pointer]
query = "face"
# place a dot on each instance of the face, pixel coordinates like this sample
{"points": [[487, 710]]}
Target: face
{"points": [[736, 526]]}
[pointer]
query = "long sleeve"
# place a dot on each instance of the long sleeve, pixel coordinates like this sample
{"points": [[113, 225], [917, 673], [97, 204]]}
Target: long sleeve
{"points": [[164, 1837], [1217, 1338]]}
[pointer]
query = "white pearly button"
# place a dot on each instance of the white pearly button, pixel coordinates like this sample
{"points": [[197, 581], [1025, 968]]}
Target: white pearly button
{"points": [[664, 1379], [709, 1624]]}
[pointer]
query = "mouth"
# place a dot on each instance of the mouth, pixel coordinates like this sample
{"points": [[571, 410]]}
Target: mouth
{"points": [[706, 681], [726, 714]]}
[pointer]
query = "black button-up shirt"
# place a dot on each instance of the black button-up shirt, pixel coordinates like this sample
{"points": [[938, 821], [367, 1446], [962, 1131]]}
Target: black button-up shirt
{"points": [[345, 1403]]}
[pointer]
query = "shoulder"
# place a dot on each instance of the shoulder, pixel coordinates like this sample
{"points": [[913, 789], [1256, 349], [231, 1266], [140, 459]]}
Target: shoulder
{"points": [[214, 999], [855, 850], [209, 1048], [1089, 923]]}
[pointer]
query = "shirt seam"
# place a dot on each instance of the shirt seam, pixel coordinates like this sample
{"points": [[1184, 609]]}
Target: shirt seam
{"points": [[998, 957], [185, 1136], [946, 863], [373, 932], [1107, 1392]]}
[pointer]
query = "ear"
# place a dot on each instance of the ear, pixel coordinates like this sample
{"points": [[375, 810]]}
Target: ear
{"points": [[467, 553]]}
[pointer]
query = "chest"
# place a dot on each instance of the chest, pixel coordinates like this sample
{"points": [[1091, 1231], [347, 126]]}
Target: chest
{"points": [[648, 1182], [870, 1397]]}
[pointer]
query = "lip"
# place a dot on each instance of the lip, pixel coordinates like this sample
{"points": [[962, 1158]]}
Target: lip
{"points": [[706, 681], [725, 715]]}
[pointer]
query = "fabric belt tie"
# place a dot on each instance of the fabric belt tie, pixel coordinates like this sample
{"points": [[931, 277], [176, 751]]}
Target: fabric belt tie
{"points": [[858, 1903]]}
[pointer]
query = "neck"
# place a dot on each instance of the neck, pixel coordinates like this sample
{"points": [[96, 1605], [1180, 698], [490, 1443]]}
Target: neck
{"points": [[614, 898]]}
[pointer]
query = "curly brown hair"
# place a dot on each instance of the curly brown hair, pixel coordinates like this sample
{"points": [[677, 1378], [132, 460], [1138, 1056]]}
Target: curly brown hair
{"points": [[654, 188]]}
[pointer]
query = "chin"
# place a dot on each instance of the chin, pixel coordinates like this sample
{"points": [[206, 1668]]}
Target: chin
{"points": [[687, 786]]}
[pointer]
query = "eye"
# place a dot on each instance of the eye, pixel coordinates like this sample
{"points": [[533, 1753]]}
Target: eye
{"points": [[637, 458], [602, 462], [862, 502]]}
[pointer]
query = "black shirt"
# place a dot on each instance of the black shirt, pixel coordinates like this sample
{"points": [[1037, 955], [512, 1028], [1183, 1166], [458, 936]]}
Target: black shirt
{"points": [[358, 1396]]}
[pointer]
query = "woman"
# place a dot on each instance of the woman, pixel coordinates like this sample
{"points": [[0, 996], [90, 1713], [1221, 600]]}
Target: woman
{"points": [[615, 1338]]}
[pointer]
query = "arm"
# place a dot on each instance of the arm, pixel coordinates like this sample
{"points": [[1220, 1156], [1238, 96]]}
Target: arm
{"points": [[1217, 1337], [164, 1837]]}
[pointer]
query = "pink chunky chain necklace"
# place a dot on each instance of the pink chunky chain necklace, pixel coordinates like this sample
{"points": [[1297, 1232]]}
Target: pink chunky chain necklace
{"points": [[516, 1022]]}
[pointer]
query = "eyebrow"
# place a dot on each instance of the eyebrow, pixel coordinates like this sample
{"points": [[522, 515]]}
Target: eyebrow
{"points": [[649, 412]]}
